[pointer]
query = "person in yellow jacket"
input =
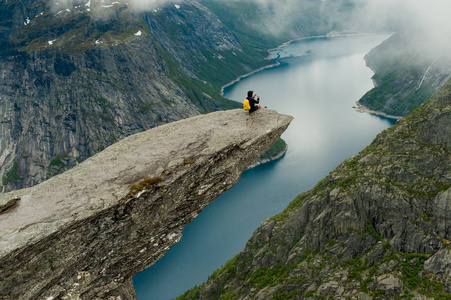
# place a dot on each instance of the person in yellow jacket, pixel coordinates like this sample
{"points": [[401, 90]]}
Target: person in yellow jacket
{"points": [[254, 103]]}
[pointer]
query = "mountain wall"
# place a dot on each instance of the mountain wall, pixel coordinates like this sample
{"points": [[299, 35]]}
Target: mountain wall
{"points": [[83, 234], [78, 76], [377, 227]]}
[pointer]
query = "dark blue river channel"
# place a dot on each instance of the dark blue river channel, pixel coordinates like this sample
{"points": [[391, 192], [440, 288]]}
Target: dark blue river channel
{"points": [[318, 82]]}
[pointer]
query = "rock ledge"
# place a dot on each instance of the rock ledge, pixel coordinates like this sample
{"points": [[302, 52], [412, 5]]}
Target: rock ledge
{"points": [[85, 233]]}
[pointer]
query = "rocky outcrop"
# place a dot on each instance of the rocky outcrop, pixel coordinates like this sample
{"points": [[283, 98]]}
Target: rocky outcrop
{"points": [[377, 227], [83, 234]]}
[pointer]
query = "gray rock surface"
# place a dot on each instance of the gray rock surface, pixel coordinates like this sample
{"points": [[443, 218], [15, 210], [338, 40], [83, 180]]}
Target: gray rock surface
{"points": [[86, 232], [440, 262]]}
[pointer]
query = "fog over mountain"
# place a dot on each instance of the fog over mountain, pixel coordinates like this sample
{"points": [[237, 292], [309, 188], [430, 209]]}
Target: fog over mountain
{"points": [[429, 19], [430, 16]]}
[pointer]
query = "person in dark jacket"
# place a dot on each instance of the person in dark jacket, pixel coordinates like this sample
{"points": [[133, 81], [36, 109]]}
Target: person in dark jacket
{"points": [[252, 101]]}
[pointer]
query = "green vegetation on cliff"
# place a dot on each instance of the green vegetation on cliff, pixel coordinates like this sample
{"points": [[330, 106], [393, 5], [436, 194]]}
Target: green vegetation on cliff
{"points": [[276, 149], [202, 93], [11, 174]]}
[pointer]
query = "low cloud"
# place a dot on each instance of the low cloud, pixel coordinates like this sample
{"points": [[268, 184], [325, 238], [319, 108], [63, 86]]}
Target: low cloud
{"points": [[422, 15], [423, 18], [99, 5], [428, 20], [149, 4]]}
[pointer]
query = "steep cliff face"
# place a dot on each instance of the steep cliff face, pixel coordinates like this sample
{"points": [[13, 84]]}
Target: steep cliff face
{"points": [[378, 227], [83, 234], [77, 78]]}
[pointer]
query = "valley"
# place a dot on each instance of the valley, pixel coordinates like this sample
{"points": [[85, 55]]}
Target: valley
{"points": [[78, 77]]}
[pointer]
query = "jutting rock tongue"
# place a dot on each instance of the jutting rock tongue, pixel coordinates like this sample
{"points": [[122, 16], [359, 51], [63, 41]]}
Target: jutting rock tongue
{"points": [[86, 232]]}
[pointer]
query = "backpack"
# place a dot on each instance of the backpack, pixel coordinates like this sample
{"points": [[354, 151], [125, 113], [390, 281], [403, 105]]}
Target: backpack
{"points": [[246, 105]]}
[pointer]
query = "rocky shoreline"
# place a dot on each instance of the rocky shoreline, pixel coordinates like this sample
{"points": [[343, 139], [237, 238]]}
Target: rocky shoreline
{"points": [[267, 160], [247, 75], [363, 109]]}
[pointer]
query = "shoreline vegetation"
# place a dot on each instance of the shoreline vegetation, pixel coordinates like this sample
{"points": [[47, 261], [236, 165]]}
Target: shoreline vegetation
{"points": [[262, 160], [247, 75], [363, 109]]}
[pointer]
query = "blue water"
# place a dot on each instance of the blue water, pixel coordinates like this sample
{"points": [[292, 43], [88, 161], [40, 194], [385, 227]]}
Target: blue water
{"points": [[317, 82]]}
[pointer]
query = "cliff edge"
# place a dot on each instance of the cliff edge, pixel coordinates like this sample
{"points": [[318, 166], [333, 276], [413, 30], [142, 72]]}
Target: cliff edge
{"points": [[84, 233]]}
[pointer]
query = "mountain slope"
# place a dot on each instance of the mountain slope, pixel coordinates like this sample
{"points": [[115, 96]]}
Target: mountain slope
{"points": [[261, 25], [408, 68], [76, 79], [377, 227]]}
